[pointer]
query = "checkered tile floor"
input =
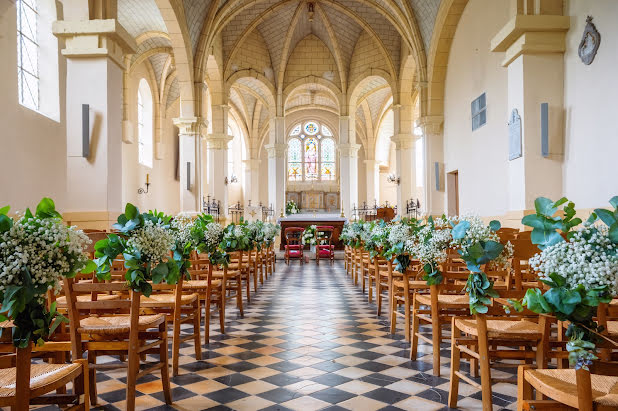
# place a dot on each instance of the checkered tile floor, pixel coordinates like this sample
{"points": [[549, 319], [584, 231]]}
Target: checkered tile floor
{"points": [[309, 340]]}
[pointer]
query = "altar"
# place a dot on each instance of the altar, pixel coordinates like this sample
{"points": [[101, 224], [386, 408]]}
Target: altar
{"points": [[305, 220]]}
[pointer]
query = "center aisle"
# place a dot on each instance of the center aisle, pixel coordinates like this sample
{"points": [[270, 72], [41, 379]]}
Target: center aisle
{"points": [[309, 340]]}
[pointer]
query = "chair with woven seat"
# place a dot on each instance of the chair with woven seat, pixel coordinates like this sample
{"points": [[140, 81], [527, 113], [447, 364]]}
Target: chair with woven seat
{"points": [[180, 306], [116, 327], [231, 276], [494, 336], [367, 273], [596, 389], [293, 244], [403, 289], [23, 383], [324, 249]]}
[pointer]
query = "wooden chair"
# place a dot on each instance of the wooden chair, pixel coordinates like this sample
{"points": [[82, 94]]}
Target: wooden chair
{"points": [[294, 244], [324, 244], [383, 283], [403, 291], [367, 273], [480, 337], [523, 277], [180, 306], [23, 383], [210, 292], [116, 328], [569, 389]]}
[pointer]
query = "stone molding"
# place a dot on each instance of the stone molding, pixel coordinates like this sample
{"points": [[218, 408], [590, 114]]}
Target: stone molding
{"points": [[276, 150], [218, 141], [95, 38], [404, 141], [431, 125], [349, 150], [531, 34], [190, 125]]}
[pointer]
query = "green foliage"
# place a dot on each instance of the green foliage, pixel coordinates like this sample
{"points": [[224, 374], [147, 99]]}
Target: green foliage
{"points": [[236, 240], [545, 223], [480, 291], [609, 217], [433, 275]]}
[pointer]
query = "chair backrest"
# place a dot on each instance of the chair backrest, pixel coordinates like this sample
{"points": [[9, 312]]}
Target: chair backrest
{"points": [[523, 250], [94, 236], [324, 235], [385, 213], [293, 235], [507, 234]]}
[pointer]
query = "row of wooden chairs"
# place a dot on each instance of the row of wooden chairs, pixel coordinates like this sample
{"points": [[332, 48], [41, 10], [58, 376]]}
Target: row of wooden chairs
{"points": [[293, 246], [107, 318], [491, 340]]}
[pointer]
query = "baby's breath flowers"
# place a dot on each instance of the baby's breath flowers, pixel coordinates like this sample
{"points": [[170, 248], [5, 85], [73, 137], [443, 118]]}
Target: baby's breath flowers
{"points": [[36, 252], [270, 231], [152, 242]]}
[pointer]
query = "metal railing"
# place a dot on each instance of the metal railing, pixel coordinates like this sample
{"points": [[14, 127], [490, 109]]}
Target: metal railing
{"points": [[212, 207], [413, 208], [370, 213], [236, 212]]}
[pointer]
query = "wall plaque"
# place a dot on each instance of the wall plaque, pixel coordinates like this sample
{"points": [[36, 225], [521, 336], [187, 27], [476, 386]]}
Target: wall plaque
{"points": [[590, 42], [514, 135]]}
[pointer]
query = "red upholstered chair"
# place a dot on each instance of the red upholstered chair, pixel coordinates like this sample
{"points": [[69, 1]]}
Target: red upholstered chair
{"points": [[294, 244], [324, 240]]}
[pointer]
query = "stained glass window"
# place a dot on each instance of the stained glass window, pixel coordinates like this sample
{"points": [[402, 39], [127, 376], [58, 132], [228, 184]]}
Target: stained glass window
{"points": [[326, 131], [328, 159], [311, 128], [311, 153], [27, 54], [295, 130], [295, 171], [311, 159]]}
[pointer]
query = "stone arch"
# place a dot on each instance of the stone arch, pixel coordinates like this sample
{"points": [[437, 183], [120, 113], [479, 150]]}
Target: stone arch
{"points": [[364, 80], [289, 90], [174, 18], [258, 82], [447, 19], [316, 117]]}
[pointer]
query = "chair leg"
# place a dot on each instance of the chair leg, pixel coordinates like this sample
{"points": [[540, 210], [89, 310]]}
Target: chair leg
{"points": [[197, 319], [379, 295], [133, 369], [524, 389], [207, 318], [248, 282], [415, 330], [165, 371], [436, 339], [406, 303], [453, 391], [175, 343], [239, 297], [92, 377], [484, 365], [392, 306]]}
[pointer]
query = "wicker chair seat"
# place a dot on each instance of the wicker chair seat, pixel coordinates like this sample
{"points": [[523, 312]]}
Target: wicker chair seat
{"points": [[166, 300], [230, 273], [413, 284], [42, 377], [457, 300], [502, 328], [561, 384], [61, 301], [612, 328], [200, 284], [117, 324]]}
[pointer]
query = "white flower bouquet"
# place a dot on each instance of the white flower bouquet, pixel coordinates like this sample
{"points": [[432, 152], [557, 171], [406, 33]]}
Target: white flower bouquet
{"points": [[309, 235], [429, 244], [36, 252], [291, 208], [270, 231]]}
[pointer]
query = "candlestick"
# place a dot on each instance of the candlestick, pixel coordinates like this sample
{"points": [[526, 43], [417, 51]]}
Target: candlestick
{"points": [[147, 178]]}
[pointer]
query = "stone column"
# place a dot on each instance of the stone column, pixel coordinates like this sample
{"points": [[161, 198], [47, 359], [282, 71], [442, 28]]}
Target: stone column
{"points": [[190, 130], [348, 164], [406, 169], [95, 52], [434, 170], [252, 181], [534, 47], [373, 181], [277, 173], [218, 177]]}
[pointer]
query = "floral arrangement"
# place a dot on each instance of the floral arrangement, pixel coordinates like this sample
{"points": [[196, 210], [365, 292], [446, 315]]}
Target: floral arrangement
{"points": [[146, 242], [398, 237], [270, 231], [579, 263], [291, 208], [36, 252], [309, 235], [479, 246], [236, 237], [377, 238], [181, 227], [429, 244], [256, 233], [207, 236]]}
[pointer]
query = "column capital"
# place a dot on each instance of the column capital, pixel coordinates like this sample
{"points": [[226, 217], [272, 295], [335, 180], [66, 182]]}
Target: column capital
{"points": [[252, 164], [349, 149], [95, 38], [531, 34], [403, 141], [190, 125], [276, 150], [431, 124], [218, 141]]}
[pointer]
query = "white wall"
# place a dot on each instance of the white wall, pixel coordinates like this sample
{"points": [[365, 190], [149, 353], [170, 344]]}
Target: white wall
{"points": [[591, 140], [481, 157], [33, 146]]}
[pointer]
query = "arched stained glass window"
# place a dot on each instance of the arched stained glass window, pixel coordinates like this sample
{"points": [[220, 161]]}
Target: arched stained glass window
{"points": [[311, 153], [311, 158], [328, 159], [295, 160]]}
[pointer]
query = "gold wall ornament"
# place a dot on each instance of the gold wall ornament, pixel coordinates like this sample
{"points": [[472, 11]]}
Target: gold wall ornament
{"points": [[589, 45]]}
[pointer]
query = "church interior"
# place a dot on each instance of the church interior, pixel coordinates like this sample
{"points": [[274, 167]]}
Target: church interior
{"points": [[324, 129]]}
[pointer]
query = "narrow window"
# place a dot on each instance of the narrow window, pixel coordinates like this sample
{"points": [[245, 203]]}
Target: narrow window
{"points": [[144, 124], [27, 54]]}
